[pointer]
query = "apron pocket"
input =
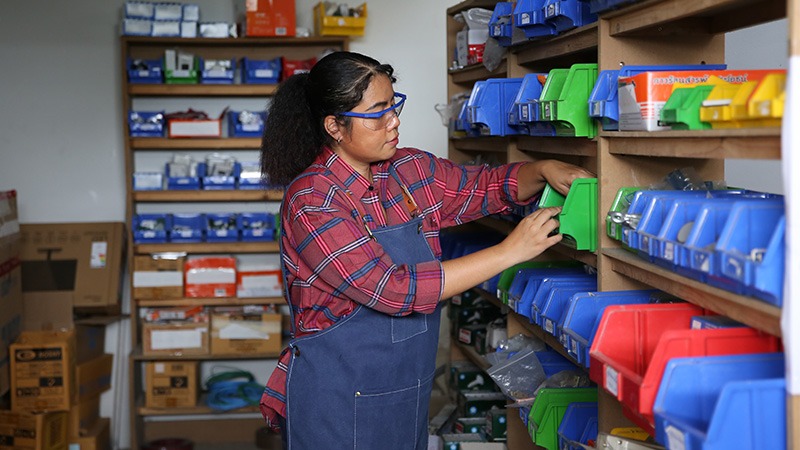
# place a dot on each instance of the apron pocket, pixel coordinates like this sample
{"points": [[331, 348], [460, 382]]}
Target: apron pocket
{"points": [[404, 328], [387, 420]]}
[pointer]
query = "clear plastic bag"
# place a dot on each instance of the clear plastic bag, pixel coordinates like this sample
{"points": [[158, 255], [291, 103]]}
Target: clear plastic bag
{"points": [[518, 376]]}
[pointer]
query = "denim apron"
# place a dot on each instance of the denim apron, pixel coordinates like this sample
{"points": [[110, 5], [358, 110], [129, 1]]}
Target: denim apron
{"points": [[365, 382]]}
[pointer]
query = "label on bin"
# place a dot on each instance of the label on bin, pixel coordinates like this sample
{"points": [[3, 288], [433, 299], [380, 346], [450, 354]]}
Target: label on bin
{"points": [[573, 345], [669, 250], [548, 326], [612, 381], [675, 438], [524, 19]]}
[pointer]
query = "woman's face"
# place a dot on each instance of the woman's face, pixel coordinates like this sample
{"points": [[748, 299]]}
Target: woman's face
{"points": [[371, 140]]}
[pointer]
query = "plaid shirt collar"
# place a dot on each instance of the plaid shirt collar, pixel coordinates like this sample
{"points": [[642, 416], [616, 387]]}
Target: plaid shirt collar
{"points": [[346, 175]]}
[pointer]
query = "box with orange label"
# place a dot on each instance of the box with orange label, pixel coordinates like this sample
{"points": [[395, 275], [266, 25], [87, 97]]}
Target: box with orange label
{"points": [[43, 371], [174, 331], [245, 330], [642, 96], [210, 276], [158, 276], [258, 280], [270, 18], [170, 384]]}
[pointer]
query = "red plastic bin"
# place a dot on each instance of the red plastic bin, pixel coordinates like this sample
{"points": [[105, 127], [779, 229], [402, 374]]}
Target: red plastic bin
{"points": [[634, 343]]}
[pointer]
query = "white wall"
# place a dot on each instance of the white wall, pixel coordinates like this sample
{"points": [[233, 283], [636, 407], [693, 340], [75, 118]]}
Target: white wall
{"points": [[61, 143]]}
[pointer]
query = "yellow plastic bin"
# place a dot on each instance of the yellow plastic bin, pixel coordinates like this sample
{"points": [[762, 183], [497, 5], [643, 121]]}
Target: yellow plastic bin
{"points": [[339, 25], [767, 99]]}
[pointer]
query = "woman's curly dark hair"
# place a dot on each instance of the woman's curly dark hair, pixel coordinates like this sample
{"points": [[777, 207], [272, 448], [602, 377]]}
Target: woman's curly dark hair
{"points": [[294, 132]]}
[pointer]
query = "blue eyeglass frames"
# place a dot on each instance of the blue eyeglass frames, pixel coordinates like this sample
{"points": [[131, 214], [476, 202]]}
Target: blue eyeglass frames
{"points": [[381, 119]]}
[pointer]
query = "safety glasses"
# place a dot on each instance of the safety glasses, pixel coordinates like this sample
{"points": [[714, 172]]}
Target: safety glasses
{"points": [[381, 120]]}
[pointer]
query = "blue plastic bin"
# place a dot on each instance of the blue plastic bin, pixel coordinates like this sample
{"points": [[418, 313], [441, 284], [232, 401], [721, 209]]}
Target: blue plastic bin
{"points": [[181, 183], [578, 426], [146, 123], [543, 293], [557, 301], [261, 71], [769, 273], [553, 362], [462, 123], [221, 227], [529, 17], [534, 281], [145, 71], [565, 15], [525, 112], [743, 243], [722, 403], [501, 23], [187, 228], [603, 104], [584, 313], [489, 103], [246, 123], [256, 226], [151, 228], [219, 182], [217, 75]]}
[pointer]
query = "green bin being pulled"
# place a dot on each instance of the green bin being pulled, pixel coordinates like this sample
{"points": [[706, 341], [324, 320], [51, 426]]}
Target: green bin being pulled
{"points": [[578, 218]]}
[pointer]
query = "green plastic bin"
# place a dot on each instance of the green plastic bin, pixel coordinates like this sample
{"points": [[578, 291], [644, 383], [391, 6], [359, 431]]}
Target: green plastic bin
{"points": [[548, 410], [565, 100], [578, 218], [682, 109], [619, 207]]}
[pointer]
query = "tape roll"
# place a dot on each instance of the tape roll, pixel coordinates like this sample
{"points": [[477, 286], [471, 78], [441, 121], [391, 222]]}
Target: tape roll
{"points": [[169, 444]]}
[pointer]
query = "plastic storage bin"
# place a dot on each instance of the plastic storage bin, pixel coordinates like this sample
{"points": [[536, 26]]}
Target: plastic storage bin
{"points": [[183, 183], [187, 228], [151, 228], [556, 304], [146, 123], [547, 412], [219, 182], [525, 112], [256, 226], [584, 313], [723, 402], [682, 109], [603, 100], [260, 71], [616, 216], [578, 216], [221, 228], [489, 104], [529, 16], [535, 280], [578, 426], [636, 383], [500, 25], [582, 283], [565, 103], [565, 15], [509, 276], [145, 71], [217, 73], [326, 25], [246, 123]]}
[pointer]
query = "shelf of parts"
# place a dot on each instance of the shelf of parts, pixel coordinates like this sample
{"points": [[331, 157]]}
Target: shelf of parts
{"points": [[746, 143], [208, 247], [207, 196], [138, 356], [160, 144], [226, 301]]}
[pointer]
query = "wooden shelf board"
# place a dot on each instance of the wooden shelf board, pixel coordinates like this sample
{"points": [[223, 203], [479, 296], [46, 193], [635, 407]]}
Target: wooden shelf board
{"points": [[661, 18], [144, 143], [169, 302], [207, 196], [200, 409], [476, 72], [138, 356], [755, 143], [584, 256], [235, 42], [494, 144], [578, 41], [208, 247], [202, 90], [472, 355], [748, 310], [577, 146]]}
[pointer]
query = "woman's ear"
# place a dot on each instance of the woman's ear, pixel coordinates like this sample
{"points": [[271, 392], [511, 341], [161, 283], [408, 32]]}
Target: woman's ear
{"points": [[332, 128]]}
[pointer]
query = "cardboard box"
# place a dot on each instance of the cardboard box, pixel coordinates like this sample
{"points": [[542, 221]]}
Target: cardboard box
{"points": [[10, 283], [175, 338], [243, 330], [77, 262], [171, 384], [210, 276], [90, 342], [97, 438], [260, 280], [43, 372], [25, 431], [83, 416], [185, 128], [642, 96], [94, 376], [270, 18], [158, 277]]}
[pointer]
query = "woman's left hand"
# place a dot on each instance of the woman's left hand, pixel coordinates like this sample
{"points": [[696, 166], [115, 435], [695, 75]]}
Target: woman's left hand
{"points": [[560, 175]]}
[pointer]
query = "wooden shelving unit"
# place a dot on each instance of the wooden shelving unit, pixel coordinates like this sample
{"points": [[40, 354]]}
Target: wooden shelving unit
{"points": [[242, 420], [647, 32]]}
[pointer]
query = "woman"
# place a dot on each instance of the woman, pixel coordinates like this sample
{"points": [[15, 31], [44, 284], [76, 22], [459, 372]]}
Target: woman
{"points": [[361, 254]]}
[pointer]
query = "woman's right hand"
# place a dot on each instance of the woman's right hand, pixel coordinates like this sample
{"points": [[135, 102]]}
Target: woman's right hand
{"points": [[532, 235]]}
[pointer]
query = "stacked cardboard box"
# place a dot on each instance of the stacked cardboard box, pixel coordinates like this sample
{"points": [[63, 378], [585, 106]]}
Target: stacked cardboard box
{"points": [[10, 282]]}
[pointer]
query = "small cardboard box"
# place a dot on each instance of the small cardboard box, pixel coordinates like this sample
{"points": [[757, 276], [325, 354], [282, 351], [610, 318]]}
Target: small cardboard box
{"points": [[210, 276], [241, 330], [77, 262], [26, 431], [261, 280], [158, 277], [10, 283], [194, 128], [97, 438], [170, 384], [83, 416], [270, 18], [43, 371], [94, 376], [188, 338]]}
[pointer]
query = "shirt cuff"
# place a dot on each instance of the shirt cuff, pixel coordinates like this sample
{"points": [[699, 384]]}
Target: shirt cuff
{"points": [[430, 284]]}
